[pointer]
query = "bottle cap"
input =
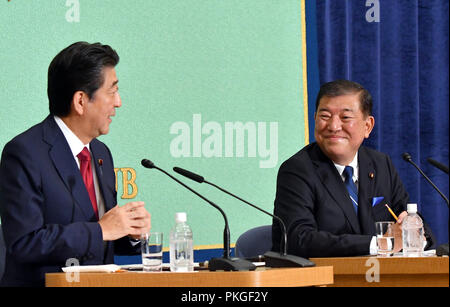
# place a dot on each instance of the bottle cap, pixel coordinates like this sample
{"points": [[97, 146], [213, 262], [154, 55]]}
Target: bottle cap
{"points": [[180, 217], [412, 208]]}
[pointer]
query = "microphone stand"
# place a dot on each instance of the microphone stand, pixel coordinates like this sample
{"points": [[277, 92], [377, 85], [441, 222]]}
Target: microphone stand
{"points": [[442, 249], [226, 263], [272, 259], [438, 165]]}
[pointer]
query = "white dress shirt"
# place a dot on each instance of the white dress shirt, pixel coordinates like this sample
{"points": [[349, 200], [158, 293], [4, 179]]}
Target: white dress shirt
{"points": [[354, 164]]}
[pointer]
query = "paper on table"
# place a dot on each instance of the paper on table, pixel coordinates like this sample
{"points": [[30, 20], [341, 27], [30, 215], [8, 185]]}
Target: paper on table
{"points": [[427, 253], [133, 267], [107, 268]]}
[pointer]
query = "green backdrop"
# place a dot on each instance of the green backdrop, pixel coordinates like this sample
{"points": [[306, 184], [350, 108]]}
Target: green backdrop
{"points": [[214, 86]]}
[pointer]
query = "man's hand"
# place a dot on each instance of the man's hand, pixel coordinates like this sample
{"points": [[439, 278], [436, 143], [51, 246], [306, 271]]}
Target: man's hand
{"points": [[131, 219], [398, 237]]}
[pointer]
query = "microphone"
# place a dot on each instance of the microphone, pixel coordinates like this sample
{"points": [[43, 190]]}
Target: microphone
{"points": [[441, 249], [273, 259], [407, 157], [226, 263], [438, 165], [147, 163], [200, 179]]}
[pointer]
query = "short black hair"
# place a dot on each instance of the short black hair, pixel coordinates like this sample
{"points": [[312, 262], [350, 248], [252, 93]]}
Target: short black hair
{"points": [[345, 87], [79, 67]]}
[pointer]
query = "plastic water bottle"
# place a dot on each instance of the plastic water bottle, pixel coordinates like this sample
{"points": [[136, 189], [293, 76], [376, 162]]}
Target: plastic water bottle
{"points": [[412, 232], [181, 248]]}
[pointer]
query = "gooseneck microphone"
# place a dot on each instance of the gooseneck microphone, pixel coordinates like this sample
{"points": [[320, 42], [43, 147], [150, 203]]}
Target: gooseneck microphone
{"points": [[200, 179], [441, 249], [272, 259], [226, 263], [407, 157], [438, 165]]}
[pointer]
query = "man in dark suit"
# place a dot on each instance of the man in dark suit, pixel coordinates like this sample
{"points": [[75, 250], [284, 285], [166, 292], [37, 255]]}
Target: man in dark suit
{"points": [[331, 193], [58, 201]]}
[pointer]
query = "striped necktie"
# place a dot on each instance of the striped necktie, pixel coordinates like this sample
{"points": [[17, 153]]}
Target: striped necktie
{"points": [[351, 187]]}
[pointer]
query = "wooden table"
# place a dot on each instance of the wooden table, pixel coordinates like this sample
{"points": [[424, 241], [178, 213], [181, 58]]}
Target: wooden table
{"points": [[262, 277], [388, 272]]}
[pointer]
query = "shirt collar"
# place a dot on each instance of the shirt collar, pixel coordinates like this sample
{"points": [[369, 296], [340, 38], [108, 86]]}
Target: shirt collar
{"points": [[354, 164], [75, 144]]}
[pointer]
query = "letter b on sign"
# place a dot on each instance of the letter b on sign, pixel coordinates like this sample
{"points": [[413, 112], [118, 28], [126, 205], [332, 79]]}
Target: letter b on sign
{"points": [[129, 186]]}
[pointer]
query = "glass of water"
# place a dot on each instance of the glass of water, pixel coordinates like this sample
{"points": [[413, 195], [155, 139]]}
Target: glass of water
{"points": [[152, 251], [385, 238]]}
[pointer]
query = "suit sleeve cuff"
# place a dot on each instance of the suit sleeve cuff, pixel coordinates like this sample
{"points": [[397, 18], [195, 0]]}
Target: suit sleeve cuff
{"points": [[94, 248]]}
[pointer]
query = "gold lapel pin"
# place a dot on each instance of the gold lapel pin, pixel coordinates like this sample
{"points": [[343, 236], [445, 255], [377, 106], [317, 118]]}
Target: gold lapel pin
{"points": [[371, 175]]}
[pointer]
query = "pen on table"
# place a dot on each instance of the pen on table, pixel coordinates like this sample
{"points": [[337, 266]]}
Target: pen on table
{"points": [[391, 212]]}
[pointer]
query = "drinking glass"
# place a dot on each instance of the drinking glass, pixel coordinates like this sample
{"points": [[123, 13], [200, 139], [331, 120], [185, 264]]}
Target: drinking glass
{"points": [[151, 248], [385, 238]]}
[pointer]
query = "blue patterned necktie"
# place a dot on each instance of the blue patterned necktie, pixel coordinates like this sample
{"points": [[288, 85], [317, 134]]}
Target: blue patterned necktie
{"points": [[351, 187]]}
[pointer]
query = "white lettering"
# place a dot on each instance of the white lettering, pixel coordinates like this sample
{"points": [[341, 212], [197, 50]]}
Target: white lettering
{"points": [[74, 276], [73, 13], [233, 139], [245, 296], [373, 14], [212, 145], [198, 297], [272, 152], [180, 146], [373, 273]]}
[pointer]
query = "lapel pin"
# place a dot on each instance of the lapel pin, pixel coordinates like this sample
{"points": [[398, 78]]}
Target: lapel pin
{"points": [[371, 175], [100, 166]]}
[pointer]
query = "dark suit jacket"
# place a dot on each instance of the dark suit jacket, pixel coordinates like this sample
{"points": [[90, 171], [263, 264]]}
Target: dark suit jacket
{"points": [[314, 203], [47, 216]]}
